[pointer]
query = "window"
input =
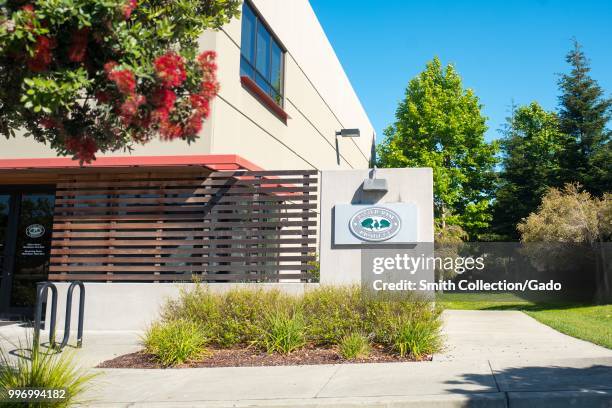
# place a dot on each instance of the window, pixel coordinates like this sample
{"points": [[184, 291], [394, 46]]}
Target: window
{"points": [[261, 56]]}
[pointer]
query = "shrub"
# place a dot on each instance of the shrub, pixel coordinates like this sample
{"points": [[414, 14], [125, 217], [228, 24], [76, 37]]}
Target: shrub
{"points": [[283, 332], [281, 323], [230, 318], [196, 305], [354, 346], [175, 341], [243, 313], [569, 228], [416, 337], [331, 312], [315, 273], [569, 215], [42, 370], [408, 325]]}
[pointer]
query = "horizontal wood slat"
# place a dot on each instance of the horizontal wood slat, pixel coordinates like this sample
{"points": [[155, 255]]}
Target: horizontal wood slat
{"points": [[177, 242], [176, 268], [194, 214], [175, 224], [278, 225], [174, 259], [176, 187], [247, 226], [190, 250], [190, 235], [176, 207], [176, 277]]}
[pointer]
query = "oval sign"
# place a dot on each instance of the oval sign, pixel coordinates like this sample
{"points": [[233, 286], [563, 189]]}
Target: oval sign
{"points": [[35, 231], [375, 224]]}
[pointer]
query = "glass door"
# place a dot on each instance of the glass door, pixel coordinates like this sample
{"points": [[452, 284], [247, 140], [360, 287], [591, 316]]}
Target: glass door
{"points": [[26, 244], [5, 206]]}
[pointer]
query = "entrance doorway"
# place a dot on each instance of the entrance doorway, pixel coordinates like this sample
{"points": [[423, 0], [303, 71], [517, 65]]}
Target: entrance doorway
{"points": [[26, 223]]}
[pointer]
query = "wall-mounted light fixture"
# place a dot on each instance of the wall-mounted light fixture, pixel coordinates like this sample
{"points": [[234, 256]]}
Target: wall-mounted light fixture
{"points": [[375, 184], [344, 133], [348, 133]]}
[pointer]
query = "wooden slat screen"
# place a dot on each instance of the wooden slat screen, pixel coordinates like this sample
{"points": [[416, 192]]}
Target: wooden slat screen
{"points": [[228, 226]]}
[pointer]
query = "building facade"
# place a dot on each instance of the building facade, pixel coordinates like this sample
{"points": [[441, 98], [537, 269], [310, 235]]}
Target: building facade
{"points": [[239, 204], [292, 127]]}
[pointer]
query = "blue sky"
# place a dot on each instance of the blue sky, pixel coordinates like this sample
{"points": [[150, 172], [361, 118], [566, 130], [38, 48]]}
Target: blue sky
{"points": [[503, 49]]}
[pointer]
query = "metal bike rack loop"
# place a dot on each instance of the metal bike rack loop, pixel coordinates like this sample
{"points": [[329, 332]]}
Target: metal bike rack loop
{"points": [[40, 290], [42, 287], [69, 314]]}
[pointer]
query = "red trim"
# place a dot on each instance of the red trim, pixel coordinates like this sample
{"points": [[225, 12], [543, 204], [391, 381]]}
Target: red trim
{"points": [[212, 161], [264, 98]]}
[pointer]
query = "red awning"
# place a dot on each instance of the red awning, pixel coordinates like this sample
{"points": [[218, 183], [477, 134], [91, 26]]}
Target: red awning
{"points": [[212, 161]]}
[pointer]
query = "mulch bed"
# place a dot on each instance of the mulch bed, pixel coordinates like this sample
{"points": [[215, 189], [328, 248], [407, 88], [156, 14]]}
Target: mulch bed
{"points": [[249, 357]]}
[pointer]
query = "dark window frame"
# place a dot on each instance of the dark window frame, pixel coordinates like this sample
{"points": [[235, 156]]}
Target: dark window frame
{"points": [[252, 72]]}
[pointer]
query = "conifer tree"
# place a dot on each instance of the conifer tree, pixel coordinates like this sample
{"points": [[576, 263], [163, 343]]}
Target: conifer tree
{"points": [[584, 112]]}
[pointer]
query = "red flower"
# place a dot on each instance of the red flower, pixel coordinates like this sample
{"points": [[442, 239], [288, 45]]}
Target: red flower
{"points": [[129, 6], [109, 66], [160, 115], [194, 125], [201, 104], [209, 89], [84, 148], [208, 64], [129, 108], [78, 47], [29, 8], [170, 131], [124, 79], [170, 69], [164, 98], [42, 54], [206, 57]]}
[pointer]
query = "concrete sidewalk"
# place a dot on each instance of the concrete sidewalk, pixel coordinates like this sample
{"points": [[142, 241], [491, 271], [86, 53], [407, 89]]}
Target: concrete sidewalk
{"points": [[574, 382], [492, 359], [98, 346], [508, 335]]}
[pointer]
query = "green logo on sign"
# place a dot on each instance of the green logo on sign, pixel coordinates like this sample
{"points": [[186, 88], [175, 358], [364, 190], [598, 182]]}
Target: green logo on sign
{"points": [[375, 224]]}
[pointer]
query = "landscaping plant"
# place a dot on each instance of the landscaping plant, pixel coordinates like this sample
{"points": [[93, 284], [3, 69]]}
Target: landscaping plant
{"points": [[329, 316], [283, 332], [417, 338], [353, 346], [175, 342], [42, 369], [331, 312]]}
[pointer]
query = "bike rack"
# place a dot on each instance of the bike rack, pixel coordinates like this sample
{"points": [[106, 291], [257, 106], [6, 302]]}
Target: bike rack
{"points": [[42, 287]]}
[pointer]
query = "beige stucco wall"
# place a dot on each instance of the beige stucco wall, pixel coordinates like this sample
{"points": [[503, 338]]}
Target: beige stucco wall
{"points": [[319, 100], [341, 264]]}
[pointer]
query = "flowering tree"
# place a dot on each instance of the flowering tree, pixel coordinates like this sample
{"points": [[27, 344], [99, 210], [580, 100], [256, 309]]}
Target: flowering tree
{"points": [[100, 75]]}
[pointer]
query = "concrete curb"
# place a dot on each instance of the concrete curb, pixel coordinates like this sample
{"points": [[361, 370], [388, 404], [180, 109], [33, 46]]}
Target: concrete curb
{"points": [[561, 399], [477, 400], [528, 399]]}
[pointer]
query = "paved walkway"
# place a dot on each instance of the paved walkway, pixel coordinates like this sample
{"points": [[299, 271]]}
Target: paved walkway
{"points": [[508, 335], [492, 359]]}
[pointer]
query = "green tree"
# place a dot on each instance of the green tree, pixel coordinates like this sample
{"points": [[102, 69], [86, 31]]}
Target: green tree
{"points": [[439, 125], [584, 113], [100, 75], [531, 148]]}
